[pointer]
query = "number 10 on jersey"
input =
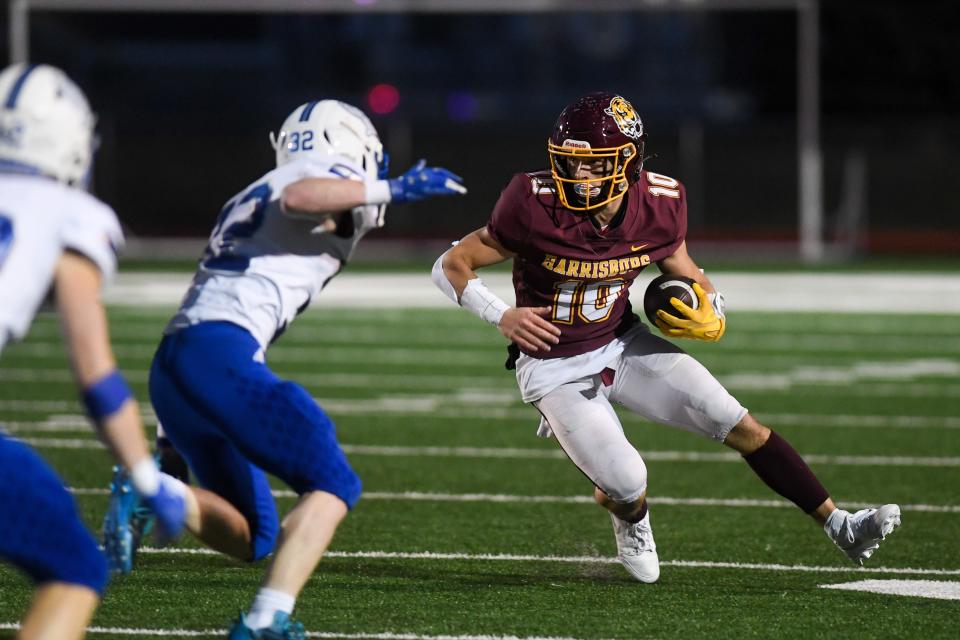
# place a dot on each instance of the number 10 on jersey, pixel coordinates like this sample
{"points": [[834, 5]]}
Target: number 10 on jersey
{"points": [[590, 301]]}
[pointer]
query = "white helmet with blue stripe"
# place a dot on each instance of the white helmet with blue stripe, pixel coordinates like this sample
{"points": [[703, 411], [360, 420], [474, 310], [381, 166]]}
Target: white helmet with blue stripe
{"points": [[46, 126], [326, 129]]}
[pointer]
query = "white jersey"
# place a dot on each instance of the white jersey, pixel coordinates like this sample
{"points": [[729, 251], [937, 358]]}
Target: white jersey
{"points": [[263, 266], [39, 219]]}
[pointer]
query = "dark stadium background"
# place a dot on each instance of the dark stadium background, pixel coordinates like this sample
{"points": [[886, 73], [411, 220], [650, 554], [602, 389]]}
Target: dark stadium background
{"points": [[185, 101]]}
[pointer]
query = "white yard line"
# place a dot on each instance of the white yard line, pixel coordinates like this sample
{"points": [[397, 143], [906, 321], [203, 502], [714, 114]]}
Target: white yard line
{"points": [[368, 330], [368, 333], [845, 376], [752, 381], [552, 454], [339, 380], [845, 380], [206, 633], [63, 443], [768, 382], [937, 589], [545, 454], [657, 456], [818, 292], [139, 632], [489, 357], [427, 341], [509, 557], [861, 421], [440, 406], [499, 498]]}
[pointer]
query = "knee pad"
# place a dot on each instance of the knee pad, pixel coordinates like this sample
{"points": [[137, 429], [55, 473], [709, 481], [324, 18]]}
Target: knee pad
{"points": [[351, 489], [718, 410], [263, 538], [69, 555], [320, 461], [625, 479], [335, 475]]}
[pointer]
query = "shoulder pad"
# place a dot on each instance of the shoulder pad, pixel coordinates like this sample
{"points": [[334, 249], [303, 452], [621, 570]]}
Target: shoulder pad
{"points": [[660, 186], [542, 183]]}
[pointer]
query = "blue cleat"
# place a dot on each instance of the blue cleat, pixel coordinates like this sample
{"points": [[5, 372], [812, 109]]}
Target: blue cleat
{"points": [[283, 628], [130, 517], [118, 536], [141, 524]]}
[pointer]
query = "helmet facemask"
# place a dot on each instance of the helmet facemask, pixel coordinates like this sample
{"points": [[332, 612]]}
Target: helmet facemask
{"points": [[608, 176]]}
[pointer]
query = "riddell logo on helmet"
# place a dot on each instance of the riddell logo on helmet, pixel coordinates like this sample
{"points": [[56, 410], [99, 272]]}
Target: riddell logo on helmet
{"points": [[625, 116], [576, 144]]}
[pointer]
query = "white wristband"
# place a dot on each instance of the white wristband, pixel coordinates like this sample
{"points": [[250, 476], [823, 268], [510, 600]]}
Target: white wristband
{"points": [[145, 477], [482, 302], [719, 303], [377, 192]]}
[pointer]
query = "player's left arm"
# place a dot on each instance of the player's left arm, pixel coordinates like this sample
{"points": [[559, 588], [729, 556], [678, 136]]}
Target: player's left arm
{"points": [[708, 321], [681, 264], [326, 196], [108, 399], [322, 196]]}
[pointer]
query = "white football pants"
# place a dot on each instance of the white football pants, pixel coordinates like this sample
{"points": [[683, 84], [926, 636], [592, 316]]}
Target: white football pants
{"points": [[654, 379]]}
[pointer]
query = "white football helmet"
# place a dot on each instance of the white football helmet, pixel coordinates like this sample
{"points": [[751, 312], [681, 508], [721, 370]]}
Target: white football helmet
{"points": [[325, 128], [46, 125]]}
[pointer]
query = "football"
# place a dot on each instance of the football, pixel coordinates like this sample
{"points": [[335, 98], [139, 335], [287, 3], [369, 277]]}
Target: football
{"points": [[664, 287]]}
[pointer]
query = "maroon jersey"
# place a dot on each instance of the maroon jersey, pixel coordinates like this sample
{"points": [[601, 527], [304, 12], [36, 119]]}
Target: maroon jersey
{"points": [[563, 261]]}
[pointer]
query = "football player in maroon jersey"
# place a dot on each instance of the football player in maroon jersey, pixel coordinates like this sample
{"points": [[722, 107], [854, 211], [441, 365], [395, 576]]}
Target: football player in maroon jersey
{"points": [[578, 235]]}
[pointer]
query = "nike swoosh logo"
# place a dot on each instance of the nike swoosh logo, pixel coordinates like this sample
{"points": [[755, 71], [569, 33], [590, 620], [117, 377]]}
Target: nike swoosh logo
{"points": [[635, 248]]}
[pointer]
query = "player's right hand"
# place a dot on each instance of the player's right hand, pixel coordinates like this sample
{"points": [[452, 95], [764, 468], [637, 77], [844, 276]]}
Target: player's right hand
{"points": [[528, 328], [421, 181], [170, 508]]}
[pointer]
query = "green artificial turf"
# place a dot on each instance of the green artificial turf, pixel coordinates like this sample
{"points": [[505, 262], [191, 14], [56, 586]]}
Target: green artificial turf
{"points": [[453, 472]]}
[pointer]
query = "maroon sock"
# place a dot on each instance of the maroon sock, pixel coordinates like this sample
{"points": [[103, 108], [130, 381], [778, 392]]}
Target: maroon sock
{"points": [[783, 470], [641, 514]]}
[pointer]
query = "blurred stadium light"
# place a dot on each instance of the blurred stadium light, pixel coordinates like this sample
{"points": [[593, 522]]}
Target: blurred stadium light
{"points": [[383, 98]]}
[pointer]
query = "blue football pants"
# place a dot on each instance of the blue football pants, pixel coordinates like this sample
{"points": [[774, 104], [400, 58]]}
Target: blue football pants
{"points": [[40, 529], [232, 419]]}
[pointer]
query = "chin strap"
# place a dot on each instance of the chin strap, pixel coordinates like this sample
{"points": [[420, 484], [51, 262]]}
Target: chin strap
{"points": [[643, 161]]}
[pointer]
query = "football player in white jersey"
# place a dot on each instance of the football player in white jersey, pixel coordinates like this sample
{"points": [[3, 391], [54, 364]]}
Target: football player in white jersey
{"points": [[275, 246], [55, 234]]}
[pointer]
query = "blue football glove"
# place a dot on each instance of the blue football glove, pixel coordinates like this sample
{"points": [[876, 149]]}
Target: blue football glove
{"points": [[383, 168], [422, 182], [170, 510]]}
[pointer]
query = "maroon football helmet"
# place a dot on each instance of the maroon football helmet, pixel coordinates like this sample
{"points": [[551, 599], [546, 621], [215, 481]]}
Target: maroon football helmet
{"points": [[596, 150]]}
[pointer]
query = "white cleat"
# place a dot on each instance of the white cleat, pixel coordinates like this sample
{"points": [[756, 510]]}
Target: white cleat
{"points": [[636, 548], [859, 534]]}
